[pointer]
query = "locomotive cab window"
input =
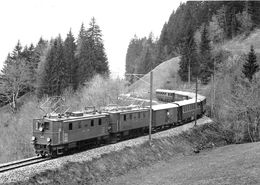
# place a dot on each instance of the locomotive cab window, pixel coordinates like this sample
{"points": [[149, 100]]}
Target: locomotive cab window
{"points": [[70, 126], [46, 125], [38, 125]]}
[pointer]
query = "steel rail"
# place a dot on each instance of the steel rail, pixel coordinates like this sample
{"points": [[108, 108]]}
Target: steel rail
{"points": [[21, 163]]}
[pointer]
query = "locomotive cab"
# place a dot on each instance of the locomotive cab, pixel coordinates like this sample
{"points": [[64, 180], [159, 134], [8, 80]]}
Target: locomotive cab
{"points": [[41, 136], [46, 133]]}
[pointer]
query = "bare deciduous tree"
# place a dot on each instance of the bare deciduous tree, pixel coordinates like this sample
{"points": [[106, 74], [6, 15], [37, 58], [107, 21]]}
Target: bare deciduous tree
{"points": [[13, 81]]}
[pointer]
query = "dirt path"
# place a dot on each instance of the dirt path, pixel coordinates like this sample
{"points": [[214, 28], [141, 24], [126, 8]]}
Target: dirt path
{"points": [[234, 164]]}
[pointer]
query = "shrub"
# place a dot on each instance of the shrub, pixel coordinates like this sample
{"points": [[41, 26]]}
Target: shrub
{"points": [[237, 103]]}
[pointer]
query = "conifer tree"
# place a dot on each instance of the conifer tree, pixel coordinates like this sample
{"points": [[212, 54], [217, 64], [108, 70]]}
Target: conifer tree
{"points": [[85, 70], [90, 53], [189, 56], [95, 43], [163, 45], [45, 84], [38, 60], [82, 37], [27, 55], [70, 61], [250, 67], [206, 63], [60, 70], [133, 53], [54, 80], [17, 52]]}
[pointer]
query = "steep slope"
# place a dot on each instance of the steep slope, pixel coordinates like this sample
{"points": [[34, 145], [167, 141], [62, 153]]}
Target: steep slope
{"points": [[241, 45], [166, 72]]}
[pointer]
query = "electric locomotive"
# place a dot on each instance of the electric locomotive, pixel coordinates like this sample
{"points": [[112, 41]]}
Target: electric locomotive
{"points": [[56, 134]]}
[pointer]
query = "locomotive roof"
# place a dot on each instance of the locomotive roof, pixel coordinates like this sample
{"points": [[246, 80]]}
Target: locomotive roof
{"points": [[75, 118], [130, 110]]}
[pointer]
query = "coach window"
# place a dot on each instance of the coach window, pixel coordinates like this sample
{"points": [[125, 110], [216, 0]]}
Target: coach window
{"points": [[131, 116], [70, 126], [144, 114], [139, 115], [99, 121], [79, 124], [124, 117], [92, 122]]}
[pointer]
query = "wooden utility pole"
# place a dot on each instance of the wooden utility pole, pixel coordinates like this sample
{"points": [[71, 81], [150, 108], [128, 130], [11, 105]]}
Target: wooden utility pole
{"points": [[189, 73], [151, 111], [196, 96], [214, 92], [212, 96]]}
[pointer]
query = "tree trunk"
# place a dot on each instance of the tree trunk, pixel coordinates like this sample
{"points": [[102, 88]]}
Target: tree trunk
{"points": [[13, 104]]}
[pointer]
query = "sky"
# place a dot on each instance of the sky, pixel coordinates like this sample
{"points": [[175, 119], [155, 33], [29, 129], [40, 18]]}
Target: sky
{"points": [[119, 20]]}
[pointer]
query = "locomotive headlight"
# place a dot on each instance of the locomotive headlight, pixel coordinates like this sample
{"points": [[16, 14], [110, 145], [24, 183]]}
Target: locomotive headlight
{"points": [[33, 138], [48, 139], [41, 129]]}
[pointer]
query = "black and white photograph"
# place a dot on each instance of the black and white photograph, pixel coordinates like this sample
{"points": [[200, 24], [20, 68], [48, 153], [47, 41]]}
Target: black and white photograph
{"points": [[130, 92]]}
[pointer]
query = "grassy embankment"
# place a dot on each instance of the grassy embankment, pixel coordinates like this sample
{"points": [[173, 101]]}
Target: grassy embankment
{"points": [[120, 162]]}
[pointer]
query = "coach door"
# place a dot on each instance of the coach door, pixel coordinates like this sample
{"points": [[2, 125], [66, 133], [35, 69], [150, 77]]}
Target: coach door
{"points": [[179, 113]]}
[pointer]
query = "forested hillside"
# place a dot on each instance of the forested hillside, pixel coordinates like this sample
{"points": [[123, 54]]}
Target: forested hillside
{"points": [[217, 42], [53, 66], [192, 31]]}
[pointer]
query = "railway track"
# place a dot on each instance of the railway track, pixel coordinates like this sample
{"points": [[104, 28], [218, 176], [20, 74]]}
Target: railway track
{"points": [[21, 163]]}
